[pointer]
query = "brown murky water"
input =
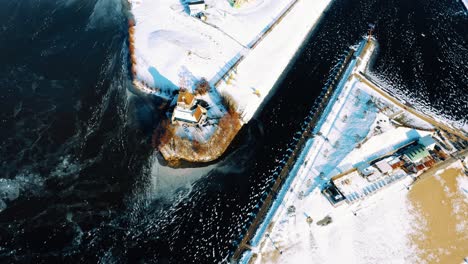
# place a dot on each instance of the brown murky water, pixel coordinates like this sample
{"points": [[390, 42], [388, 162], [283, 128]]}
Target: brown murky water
{"points": [[441, 225]]}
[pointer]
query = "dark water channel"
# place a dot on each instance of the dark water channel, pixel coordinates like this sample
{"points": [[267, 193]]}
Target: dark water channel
{"points": [[78, 180]]}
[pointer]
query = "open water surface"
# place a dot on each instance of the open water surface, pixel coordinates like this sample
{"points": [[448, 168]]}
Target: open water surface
{"points": [[79, 181]]}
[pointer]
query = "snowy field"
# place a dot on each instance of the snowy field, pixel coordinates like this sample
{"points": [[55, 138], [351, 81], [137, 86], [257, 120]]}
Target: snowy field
{"points": [[174, 49], [171, 46], [376, 230], [381, 144], [246, 23]]}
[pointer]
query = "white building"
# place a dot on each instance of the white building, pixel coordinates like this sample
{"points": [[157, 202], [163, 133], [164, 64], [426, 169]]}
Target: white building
{"points": [[196, 7], [186, 110], [384, 167]]}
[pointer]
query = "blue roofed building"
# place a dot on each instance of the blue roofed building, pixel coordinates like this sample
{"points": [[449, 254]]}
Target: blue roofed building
{"points": [[428, 142]]}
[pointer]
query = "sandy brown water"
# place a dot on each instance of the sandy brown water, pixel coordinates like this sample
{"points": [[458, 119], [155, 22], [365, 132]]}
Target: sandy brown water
{"points": [[441, 218]]}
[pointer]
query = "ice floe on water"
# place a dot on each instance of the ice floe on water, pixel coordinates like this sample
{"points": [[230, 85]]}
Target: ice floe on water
{"points": [[67, 166], [166, 182], [11, 189]]}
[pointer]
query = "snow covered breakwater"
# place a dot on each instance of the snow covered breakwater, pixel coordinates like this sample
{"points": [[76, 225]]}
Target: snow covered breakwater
{"points": [[357, 60], [298, 149], [177, 50]]}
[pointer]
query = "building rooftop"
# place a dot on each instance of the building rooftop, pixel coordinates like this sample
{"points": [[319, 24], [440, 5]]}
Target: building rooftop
{"points": [[199, 111], [383, 166], [416, 153], [196, 2], [426, 141], [350, 183], [196, 7], [365, 168], [392, 160], [191, 116], [333, 194], [186, 97], [184, 115]]}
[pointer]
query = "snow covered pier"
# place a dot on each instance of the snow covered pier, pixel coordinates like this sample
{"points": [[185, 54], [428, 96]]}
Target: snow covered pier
{"points": [[357, 59], [290, 165]]}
